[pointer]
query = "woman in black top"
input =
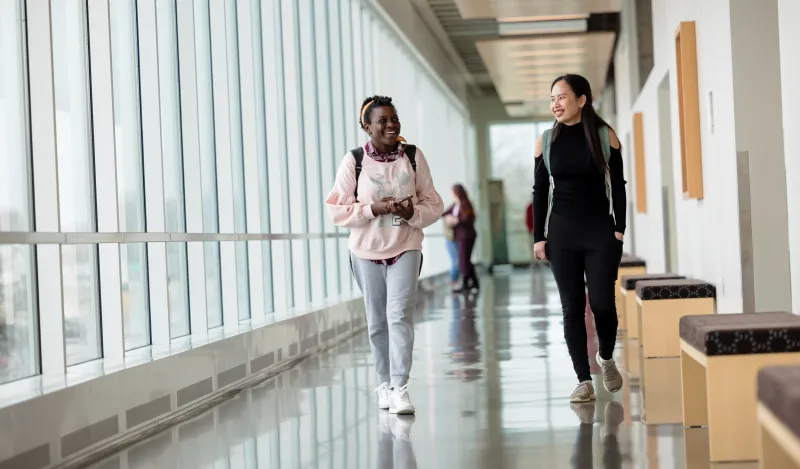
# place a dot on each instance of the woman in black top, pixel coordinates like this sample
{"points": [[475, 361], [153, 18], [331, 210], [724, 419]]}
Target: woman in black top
{"points": [[583, 234]]}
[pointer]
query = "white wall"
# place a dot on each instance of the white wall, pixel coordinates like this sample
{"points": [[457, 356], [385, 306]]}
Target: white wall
{"points": [[708, 230], [789, 18], [756, 75]]}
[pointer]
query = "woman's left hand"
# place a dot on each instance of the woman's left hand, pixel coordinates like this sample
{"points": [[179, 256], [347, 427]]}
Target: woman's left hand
{"points": [[404, 209], [618, 235]]}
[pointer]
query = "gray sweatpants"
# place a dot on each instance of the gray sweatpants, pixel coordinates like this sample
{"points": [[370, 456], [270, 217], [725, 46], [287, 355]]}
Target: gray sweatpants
{"points": [[390, 296]]}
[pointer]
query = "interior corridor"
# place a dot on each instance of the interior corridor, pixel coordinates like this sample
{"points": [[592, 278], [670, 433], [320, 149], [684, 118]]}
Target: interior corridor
{"points": [[490, 381]]}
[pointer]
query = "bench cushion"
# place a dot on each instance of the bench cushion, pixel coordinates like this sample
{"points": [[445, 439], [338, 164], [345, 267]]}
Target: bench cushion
{"points": [[676, 289], [742, 334], [628, 282], [630, 261], [779, 391]]}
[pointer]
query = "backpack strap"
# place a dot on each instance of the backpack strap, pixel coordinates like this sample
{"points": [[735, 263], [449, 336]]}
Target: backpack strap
{"points": [[546, 148], [358, 154], [546, 141], [605, 143], [411, 154]]}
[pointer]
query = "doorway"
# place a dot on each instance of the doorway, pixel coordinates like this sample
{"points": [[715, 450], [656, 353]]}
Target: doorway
{"points": [[667, 177]]}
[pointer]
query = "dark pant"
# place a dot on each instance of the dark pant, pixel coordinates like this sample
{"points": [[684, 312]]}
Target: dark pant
{"points": [[575, 247], [466, 244]]}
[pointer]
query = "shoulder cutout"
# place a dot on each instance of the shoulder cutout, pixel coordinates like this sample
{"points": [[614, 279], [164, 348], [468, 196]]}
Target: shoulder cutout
{"points": [[613, 139], [538, 151]]}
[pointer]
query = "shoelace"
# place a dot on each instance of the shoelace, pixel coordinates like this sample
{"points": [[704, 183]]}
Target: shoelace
{"points": [[382, 388], [402, 390], [579, 387], [613, 372]]}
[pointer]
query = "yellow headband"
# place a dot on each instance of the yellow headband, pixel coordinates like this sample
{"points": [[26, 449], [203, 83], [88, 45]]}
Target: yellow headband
{"points": [[364, 110]]}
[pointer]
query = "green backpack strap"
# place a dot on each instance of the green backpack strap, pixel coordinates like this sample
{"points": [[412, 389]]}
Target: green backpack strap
{"points": [[546, 140], [546, 149], [605, 142]]}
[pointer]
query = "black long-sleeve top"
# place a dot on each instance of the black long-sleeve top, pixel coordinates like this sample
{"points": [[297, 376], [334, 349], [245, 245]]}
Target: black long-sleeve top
{"points": [[580, 188]]}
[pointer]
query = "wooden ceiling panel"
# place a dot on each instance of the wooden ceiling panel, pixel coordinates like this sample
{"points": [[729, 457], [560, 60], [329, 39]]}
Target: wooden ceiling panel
{"points": [[523, 69]]}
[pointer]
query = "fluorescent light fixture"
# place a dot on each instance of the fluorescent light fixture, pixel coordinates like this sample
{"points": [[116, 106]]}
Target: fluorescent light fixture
{"points": [[542, 27], [527, 19], [546, 52]]}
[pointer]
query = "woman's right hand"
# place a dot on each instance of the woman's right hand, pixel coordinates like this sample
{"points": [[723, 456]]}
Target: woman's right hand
{"points": [[383, 207], [539, 250]]}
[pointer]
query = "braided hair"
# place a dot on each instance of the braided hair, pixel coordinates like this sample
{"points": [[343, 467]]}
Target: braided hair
{"points": [[371, 103]]}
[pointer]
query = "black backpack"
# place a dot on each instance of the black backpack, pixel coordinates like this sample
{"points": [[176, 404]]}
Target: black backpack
{"points": [[358, 154]]}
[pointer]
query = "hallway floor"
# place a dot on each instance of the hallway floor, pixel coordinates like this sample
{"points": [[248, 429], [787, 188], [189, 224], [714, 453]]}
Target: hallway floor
{"points": [[491, 381]]}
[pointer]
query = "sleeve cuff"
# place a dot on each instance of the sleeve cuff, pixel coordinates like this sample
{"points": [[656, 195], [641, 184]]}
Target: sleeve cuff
{"points": [[366, 210], [415, 220]]}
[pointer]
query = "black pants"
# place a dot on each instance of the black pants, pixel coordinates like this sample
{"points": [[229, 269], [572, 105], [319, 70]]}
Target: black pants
{"points": [[466, 244], [578, 246]]}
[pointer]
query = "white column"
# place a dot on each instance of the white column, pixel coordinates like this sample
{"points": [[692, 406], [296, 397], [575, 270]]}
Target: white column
{"points": [[191, 169], [248, 50], [45, 180], [219, 54], [153, 171], [788, 17], [106, 186]]}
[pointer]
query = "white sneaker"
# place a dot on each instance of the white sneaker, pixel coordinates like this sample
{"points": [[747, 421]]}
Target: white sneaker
{"points": [[400, 402], [384, 396]]}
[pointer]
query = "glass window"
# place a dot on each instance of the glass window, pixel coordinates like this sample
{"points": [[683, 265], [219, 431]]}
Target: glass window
{"points": [[172, 154], [276, 148], [311, 135], [18, 329], [208, 160], [237, 159], [261, 145], [295, 157], [75, 178], [130, 182]]}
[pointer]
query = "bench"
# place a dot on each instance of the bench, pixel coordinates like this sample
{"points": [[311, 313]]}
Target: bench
{"points": [[628, 306], [660, 305], [629, 319], [778, 417], [628, 265], [720, 358]]}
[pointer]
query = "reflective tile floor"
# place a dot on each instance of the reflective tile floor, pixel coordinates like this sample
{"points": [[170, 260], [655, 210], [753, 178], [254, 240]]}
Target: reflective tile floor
{"points": [[490, 382]]}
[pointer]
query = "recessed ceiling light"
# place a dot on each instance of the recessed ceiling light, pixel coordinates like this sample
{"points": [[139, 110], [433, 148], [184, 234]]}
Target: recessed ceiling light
{"points": [[542, 27], [524, 19]]}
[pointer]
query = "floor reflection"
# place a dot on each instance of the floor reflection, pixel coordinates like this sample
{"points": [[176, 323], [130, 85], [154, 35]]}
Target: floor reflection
{"points": [[395, 450], [490, 382]]}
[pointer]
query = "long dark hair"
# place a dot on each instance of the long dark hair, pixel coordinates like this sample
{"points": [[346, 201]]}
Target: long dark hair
{"points": [[466, 209], [591, 121]]}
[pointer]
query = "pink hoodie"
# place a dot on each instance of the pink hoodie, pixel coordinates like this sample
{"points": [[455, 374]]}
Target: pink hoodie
{"points": [[384, 237]]}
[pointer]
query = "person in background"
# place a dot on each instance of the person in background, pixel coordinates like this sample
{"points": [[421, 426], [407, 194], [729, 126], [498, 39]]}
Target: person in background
{"points": [[579, 184], [385, 195], [529, 219], [452, 250], [461, 216]]}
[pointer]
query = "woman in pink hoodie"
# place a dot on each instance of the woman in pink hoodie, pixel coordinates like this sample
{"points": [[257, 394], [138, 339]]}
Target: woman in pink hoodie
{"points": [[385, 195]]}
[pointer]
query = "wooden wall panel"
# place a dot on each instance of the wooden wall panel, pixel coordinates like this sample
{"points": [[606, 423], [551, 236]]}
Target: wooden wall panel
{"points": [[689, 110], [639, 162]]}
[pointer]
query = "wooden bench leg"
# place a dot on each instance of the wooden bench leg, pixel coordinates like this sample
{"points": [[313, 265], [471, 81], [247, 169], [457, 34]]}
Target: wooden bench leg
{"points": [[693, 392], [772, 455]]}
